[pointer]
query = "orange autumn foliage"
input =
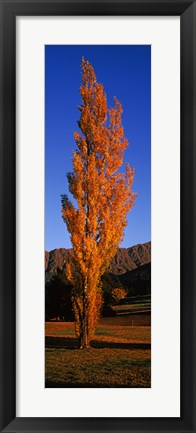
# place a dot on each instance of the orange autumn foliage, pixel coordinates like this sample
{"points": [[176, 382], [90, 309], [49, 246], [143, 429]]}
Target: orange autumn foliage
{"points": [[103, 196]]}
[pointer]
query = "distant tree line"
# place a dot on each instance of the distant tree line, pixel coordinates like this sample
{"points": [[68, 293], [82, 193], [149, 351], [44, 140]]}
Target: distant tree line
{"points": [[59, 296], [59, 292]]}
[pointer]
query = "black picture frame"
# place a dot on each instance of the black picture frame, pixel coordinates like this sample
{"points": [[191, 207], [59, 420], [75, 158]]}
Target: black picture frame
{"points": [[9, 10]]}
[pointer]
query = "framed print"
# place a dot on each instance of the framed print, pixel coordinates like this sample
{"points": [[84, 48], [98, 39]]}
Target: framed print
{"points": [[76, 254], [122, 293]]}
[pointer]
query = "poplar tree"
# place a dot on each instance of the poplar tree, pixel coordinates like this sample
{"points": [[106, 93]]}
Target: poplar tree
{"points": [[103, 196]]}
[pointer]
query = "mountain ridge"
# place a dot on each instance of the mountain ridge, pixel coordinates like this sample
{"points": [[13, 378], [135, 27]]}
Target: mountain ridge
{"points": [[125, 260]]}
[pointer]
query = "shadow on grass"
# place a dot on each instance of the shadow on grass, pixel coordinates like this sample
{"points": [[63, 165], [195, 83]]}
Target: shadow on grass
{"points": [[72, 343]]}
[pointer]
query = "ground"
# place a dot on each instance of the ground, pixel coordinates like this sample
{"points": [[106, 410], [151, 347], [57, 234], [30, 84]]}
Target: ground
{"points": [[120, 355]]}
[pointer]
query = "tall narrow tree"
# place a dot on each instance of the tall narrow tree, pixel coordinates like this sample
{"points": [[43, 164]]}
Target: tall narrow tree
{"points": [[103, 196]]}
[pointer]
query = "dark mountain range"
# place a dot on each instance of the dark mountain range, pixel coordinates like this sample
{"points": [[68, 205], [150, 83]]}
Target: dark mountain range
{"points": [[56, 259], [131, 258], [137, 281], [125, 260], [130, 269]]}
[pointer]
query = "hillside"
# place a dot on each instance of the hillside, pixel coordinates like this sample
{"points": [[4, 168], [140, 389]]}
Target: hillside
{"points": [[124, 261], [130, 269], [137, 281]]}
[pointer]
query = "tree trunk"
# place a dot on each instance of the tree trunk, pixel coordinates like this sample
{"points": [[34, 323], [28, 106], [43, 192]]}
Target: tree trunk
{"points": [[84, 338]]}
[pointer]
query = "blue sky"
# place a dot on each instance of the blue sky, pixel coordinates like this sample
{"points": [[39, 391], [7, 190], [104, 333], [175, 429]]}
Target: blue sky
{"points": [[125, 72]]}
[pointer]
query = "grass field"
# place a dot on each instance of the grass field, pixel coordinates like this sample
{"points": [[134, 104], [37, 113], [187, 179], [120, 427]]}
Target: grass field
{"points": [[134, 305], [119, 357]]}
